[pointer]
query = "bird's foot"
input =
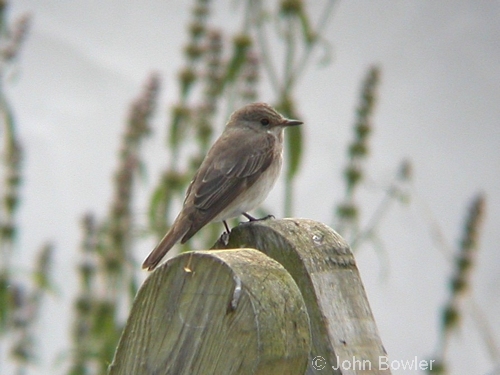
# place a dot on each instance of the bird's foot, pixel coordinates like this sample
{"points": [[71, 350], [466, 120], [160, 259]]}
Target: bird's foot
{"points": [[251, 218], [224, 238]]}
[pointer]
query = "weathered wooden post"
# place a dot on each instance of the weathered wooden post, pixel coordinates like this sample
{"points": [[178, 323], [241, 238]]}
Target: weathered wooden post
{"points": [[216, 312], [345, 338], [238, 311]]}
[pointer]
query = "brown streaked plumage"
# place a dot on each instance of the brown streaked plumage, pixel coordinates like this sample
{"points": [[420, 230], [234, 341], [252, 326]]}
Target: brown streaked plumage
{"points": [[237, 174]]}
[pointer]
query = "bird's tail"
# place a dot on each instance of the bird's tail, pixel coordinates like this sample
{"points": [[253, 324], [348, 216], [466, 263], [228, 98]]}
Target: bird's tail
{"points": [[176, 232]]}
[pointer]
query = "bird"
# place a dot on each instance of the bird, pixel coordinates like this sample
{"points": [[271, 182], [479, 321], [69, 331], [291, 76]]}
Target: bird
{"points": [[237, 174]]}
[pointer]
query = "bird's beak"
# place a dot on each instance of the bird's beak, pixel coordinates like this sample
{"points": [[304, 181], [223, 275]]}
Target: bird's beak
{"points": [[288, 122]]}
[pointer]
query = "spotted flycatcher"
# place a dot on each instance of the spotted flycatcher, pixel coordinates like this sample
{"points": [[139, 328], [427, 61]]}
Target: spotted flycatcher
{"points": [[236, 176]]}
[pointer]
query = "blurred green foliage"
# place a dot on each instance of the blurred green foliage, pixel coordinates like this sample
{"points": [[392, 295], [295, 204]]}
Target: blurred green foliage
{"points": [[222, 70]]}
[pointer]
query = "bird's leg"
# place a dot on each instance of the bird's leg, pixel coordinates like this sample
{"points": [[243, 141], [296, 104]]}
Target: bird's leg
{"points": [[251, 218], [227, 227], [224, 237]]}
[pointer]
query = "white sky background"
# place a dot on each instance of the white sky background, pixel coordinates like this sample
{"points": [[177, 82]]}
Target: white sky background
{"points": [[438, 105]]}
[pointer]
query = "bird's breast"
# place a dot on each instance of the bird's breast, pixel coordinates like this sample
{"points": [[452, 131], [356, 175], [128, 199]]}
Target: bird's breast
{"points": [[256, 193]]}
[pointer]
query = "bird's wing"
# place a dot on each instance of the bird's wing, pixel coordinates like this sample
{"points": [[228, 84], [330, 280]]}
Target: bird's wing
{"points": [[226, 174]]}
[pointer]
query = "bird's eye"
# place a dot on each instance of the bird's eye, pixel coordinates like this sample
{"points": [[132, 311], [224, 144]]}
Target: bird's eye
{"points": [[264, 121]]}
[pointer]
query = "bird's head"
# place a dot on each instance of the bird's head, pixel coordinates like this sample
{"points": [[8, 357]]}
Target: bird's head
{"points": [[260, 117]]}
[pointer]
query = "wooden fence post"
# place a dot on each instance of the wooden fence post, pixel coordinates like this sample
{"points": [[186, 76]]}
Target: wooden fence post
{"points": [[216, 312], [345, 338], [231, 312]]}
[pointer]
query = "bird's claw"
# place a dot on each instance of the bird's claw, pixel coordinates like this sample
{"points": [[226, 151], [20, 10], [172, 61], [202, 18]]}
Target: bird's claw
{"points": [[250, 218], [224, 238]]}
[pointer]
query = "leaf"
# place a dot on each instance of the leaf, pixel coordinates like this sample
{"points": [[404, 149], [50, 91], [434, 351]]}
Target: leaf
{"points": [[241, 45], [294, 151]]}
